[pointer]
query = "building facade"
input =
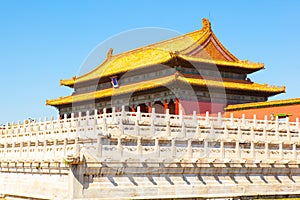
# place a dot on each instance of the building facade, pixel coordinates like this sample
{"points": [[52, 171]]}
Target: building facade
{"points": [[192, 72]]}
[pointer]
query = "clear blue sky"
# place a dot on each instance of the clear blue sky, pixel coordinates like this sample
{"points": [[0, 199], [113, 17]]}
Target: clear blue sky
{"points": [[42, 42]]}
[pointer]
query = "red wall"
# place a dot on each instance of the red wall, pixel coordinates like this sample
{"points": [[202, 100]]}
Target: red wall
{"points": [[201, 107], [261, 112]]}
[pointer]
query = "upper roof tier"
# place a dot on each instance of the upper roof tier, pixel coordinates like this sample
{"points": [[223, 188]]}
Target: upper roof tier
{"points": [[201, 46]]}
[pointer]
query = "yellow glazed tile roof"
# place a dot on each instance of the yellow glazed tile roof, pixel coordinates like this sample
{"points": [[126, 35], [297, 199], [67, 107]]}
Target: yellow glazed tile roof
{"points": [[234, 85], [266, 104], [112, 91], [239, 64], [160, 53], [163, 81]]}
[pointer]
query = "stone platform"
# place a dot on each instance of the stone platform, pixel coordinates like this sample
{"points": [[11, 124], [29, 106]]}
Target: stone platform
{"points": [[134, 155]]}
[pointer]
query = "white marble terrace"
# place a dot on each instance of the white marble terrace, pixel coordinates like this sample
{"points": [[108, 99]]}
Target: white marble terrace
{"points": [[135, 136]]}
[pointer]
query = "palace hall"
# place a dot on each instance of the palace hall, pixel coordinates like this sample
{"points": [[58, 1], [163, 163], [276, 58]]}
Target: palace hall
{"points": [[191, 72]]}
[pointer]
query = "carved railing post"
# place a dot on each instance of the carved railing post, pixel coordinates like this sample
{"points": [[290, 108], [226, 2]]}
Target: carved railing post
{"points": [[65, 120], [226, 135], [168, 128], [113, 114], [243, 120], [44, 149], [195, 120], [173, 148], [72, 120], [55, 143], [96, 113], [157, 148], [267, 152], [121, 126], [222, 149], [79, 118], [212, 133], [137, 127], [265, 134], [189, 149], [99, 145], [181, 119], [87, 121], [120, 148], [94, 122], [254, 121], [38, 125], [288, 132], [198, 132], [138, 114], [167, 115], [183, 129], [51, 123], [153, 117], [277, 128], [237, 150], [139, 147], [252, 133], [205, 149], [123, 114], [104, 124], [266, 123], [281, 151], [239, 133], [207, 119], [13, 150], [77, 147], [294, 151], [231, 119], [219, 119], [104, 113], [65, 147], [252, 151], [167, 122], [21, 150]]}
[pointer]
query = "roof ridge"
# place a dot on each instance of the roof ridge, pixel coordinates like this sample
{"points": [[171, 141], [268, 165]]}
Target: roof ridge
{"points": [[206, 26]]}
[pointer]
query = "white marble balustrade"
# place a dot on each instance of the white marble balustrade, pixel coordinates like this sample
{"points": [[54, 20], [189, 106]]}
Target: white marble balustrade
{"points": [[173, 137]]}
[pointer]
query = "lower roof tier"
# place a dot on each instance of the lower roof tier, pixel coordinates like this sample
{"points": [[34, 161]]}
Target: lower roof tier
{"points": [[164, 82]]}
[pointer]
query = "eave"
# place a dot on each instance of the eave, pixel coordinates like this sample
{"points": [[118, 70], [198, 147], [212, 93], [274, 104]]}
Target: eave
{"points": [[240, 65], [164, 81]]}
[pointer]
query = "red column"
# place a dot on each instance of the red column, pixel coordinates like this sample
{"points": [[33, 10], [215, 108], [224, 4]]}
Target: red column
{"points": [[176, 106], [165, 106], [132, 108], [149, 107]]}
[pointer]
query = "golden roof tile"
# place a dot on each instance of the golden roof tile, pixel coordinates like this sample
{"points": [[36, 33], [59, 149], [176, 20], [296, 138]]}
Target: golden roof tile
{"points": [[239, 64], [112, 91], [159, 53]]}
